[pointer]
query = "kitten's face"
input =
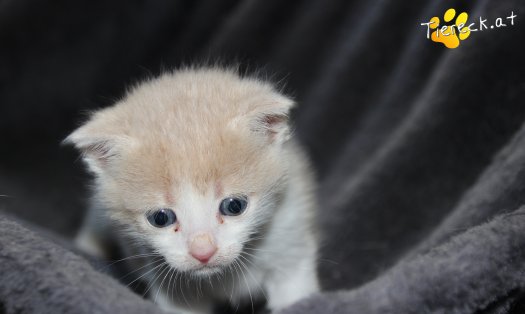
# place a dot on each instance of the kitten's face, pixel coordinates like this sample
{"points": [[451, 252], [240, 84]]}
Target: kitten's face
{"points": [[197, 207], [191, 164]]}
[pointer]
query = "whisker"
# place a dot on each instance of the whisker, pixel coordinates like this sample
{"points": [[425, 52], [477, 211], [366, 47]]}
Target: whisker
{"points": [[144, 266], [209, 280], [156, 277], [133, 256], [230, 271], [145, 273], [250, 273], [169, 285], [247, 287], [161, 283], [199, 288], [235, 264], [252, 255], [275, 266], [182, 291]]}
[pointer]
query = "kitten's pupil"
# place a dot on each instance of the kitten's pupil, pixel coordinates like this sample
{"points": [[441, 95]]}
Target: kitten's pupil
{"points": [[161, 218], [233, 206]]}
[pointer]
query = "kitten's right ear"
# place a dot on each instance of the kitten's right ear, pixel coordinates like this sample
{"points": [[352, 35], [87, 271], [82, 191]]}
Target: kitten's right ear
{"points": [[271, 119], [100, 146]]}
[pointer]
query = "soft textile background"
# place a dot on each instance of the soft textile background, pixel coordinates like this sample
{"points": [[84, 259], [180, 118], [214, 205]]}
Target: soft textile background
{"points": [[417, 147]]}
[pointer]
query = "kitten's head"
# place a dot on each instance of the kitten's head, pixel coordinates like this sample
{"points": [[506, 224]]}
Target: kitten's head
{"points": [[192, 163]]}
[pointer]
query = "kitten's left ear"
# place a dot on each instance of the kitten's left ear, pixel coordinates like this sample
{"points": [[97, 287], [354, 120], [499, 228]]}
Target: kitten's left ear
{"points": [[272, 119], [101, 141]]}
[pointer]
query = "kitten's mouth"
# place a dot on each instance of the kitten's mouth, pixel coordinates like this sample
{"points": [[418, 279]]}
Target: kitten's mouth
{"points": [[207, 270]]}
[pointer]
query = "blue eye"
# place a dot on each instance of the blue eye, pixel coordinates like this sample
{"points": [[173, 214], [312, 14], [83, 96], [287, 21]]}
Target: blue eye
{"points": [[233, 206], [161, 218]]}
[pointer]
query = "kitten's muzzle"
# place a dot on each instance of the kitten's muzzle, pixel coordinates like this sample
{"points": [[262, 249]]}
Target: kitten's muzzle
{"points": [[202, 247]]}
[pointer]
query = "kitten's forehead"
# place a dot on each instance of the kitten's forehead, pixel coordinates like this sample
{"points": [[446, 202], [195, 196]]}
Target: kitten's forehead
{"points": [[217, 164]]}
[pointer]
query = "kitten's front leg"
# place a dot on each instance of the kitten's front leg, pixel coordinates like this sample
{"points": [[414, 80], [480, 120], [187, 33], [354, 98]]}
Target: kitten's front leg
{"points": [[286, 287], [94, 236]]}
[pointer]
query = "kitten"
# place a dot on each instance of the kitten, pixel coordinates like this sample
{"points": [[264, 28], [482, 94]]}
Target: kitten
{"points": [[199, 168]]}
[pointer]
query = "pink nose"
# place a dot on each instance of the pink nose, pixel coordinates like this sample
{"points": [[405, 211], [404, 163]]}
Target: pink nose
{"points": [[202, 248]]}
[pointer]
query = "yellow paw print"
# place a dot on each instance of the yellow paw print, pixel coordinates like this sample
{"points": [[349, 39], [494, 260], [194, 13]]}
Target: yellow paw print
{"points": [[452, 34]]}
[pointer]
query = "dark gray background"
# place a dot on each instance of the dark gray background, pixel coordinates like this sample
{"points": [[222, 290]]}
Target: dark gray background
{"points": [[410, 140]]}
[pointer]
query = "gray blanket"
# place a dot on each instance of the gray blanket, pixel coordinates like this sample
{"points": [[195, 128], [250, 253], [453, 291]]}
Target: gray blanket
{"points": [[419, 149]]}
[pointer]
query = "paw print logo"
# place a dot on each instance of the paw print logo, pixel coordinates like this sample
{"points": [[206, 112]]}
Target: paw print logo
{"points": [[450, 35]]}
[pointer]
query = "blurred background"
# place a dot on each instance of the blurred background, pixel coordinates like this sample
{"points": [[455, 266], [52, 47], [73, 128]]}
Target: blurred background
{"points": [[397, 126]]}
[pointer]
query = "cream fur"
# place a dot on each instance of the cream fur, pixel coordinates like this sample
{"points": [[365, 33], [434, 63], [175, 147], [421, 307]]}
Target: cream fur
{"points": [[185, 141]]}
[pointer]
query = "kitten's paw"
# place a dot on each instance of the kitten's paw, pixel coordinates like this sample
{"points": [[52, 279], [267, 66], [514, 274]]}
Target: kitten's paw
{"points": [[89, 244]]}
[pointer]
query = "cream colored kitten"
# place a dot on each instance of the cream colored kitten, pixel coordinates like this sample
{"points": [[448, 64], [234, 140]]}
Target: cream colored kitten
{"points": [[199, 167]]}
